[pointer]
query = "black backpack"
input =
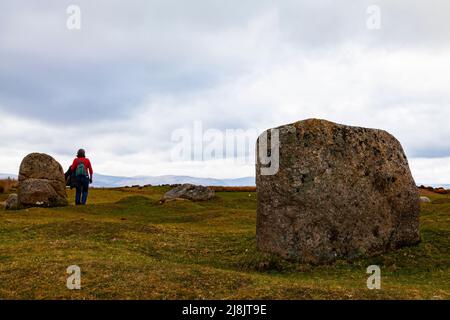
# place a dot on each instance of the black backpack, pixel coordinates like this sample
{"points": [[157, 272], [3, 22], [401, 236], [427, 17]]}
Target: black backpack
{"points": [[71, 179]]}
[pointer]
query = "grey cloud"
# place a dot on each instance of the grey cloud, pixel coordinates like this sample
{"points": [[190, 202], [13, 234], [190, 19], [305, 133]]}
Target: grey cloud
{"points": [[172, 62], [67, 94], [128, 51]]}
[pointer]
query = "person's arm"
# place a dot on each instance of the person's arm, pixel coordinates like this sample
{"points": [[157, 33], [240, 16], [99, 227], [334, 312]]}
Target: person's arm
{"points": [[91, 172]]}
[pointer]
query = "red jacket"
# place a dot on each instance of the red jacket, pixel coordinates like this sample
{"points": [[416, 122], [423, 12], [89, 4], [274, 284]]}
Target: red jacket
{"points": [[86, 162]]}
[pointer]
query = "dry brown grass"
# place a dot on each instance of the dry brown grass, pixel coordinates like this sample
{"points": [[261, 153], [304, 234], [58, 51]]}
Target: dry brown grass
{"points": [[232, 189], [439, 190], [8, 185]]}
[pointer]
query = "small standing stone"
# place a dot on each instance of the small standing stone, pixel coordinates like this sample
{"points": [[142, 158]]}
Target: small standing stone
{"points": [[41, 182], [12, 202]]}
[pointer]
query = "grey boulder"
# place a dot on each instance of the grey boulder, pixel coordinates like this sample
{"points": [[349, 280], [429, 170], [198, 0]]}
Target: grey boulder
{"points": [[189, 192], [12, 202], [425, 200]]}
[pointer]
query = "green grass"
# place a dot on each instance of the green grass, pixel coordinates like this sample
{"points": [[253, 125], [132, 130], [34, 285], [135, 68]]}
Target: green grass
{"points": [[129, 246]]}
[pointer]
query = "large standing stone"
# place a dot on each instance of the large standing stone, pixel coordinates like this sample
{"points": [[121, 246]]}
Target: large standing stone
{"points": [[340, 192], [41, 182]]}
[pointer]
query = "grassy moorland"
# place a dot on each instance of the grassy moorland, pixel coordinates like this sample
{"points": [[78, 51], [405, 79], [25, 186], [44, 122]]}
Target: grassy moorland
{"points": [[129, 246]]}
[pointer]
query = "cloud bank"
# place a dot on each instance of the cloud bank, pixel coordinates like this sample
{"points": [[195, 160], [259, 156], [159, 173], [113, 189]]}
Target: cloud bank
{"points": [[139, 70]]}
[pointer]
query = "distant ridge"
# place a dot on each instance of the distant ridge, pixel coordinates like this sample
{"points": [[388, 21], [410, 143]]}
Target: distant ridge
{"points": [[8, 175], [116, 181], [105, 181]]}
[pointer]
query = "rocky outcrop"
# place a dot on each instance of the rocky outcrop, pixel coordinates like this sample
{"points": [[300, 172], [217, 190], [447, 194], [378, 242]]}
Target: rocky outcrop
{"points": [[190, 192], [340, 192], [41, 182]]}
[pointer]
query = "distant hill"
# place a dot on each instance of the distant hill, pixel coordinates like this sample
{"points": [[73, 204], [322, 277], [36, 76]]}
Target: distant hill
{"points": [[8, 175], [435, 185], [114, 181], [105, 181]]}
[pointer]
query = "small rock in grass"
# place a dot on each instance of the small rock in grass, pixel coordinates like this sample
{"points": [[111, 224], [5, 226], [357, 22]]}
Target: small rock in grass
{"points": [[12, 203]]}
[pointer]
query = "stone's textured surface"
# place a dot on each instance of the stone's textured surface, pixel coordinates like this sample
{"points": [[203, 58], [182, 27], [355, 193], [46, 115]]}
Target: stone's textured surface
{"points": [[41, 182], [425, 199], [40, 166], [39, 193], [190, 192], [12, 202], [340, 192]]}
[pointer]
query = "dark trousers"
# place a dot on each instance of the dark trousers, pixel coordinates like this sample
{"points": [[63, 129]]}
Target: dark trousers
{"points": [[82, 190]]}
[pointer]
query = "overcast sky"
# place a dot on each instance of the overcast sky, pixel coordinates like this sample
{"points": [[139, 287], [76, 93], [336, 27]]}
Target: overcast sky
{"points": [[137, 71]]}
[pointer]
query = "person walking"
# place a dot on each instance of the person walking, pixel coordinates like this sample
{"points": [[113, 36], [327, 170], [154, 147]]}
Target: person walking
{"points": [[82, 171]]}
